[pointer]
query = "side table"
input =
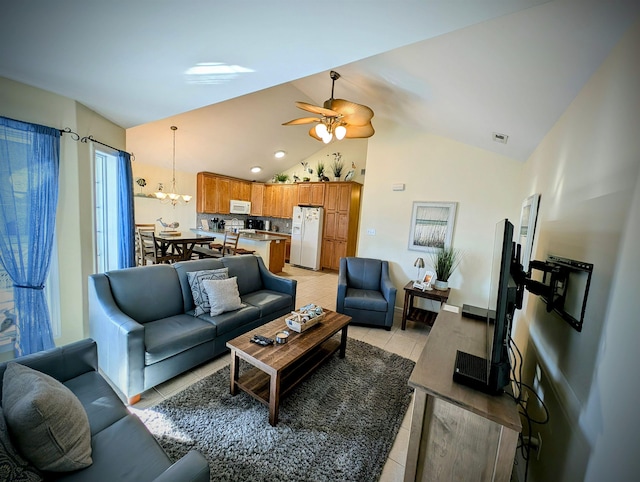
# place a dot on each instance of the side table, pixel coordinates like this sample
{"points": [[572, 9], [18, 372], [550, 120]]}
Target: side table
{"points": [[418, 314]]}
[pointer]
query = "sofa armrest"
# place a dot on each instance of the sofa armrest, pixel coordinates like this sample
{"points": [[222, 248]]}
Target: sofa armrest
{"points": [[386, 286], [120, 339], [342, 285], [276, 283], [193, 467]]}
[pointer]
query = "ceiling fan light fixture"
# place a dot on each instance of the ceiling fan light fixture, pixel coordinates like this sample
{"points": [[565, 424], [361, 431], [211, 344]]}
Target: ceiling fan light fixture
{"points": [[340, 132], [327, 137], [321, 130]]}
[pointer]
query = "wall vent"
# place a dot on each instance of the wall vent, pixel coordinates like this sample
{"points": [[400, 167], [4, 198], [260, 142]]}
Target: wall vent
{"points": [[502, 138]]}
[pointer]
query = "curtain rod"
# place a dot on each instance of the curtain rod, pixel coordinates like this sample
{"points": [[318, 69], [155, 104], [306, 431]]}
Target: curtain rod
{"points": [[76, 137]]}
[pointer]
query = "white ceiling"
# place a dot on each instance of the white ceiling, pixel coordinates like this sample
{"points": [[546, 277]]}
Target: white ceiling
{"points": [[458, 68]]}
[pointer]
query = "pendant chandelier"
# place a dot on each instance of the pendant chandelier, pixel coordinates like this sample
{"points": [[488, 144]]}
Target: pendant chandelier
{"points": [[172, 196]]}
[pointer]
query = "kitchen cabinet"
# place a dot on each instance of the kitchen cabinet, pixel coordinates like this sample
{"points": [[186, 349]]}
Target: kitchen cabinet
{"points": [[257, 198], [279, 200], [311, 193], [342, 210], [215, 191]]}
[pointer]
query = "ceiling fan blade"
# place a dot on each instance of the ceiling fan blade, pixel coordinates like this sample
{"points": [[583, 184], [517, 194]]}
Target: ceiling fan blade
{"points": [[352, 113], [302, 120], [317, 110], [359, 132]]}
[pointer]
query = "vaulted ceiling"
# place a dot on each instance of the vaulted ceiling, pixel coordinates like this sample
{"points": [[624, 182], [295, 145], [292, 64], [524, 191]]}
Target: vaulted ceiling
{"points": [[455, 68]]}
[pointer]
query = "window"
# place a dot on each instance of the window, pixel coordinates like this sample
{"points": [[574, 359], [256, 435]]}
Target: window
{"points": [[106, 211]]}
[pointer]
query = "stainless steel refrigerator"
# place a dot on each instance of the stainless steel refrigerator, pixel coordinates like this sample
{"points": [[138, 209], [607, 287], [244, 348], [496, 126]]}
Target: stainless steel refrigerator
{"points": [[306, 237]]}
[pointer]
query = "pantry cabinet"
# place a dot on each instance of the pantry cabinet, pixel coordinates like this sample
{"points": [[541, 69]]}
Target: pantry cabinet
{"points": [[340, 235]]}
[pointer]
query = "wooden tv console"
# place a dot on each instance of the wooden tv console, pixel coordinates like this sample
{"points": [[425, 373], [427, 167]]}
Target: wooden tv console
{"points": [[458, 433]]}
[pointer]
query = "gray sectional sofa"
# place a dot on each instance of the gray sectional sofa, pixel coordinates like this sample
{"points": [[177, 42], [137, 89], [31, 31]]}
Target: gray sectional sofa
{"points": [[122, 448], [143, 318]]}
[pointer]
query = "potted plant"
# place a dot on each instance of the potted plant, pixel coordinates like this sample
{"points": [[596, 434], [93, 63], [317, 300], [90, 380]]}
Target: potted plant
{"points": [[320, 171], [445, 261], [337, 165], [281, 177]]}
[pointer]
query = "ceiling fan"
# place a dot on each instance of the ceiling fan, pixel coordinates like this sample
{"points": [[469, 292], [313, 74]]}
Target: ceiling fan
{"points": [[340, 118]]}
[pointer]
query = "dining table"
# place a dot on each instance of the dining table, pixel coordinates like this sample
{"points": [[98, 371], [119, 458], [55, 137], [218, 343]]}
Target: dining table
{"points": [[182, 243]]}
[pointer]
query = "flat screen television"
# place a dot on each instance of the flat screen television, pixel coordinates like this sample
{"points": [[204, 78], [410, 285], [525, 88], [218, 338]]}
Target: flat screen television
{"points": [[491, 373]]}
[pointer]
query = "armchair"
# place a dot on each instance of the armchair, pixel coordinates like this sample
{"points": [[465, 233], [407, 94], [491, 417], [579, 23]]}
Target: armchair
{"points": [[365, 291]]}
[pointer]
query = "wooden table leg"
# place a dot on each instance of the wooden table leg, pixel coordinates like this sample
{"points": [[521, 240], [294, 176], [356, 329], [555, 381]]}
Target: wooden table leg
{"points": [[235, 366], [343, 342], [274, 398], [405, 310]]}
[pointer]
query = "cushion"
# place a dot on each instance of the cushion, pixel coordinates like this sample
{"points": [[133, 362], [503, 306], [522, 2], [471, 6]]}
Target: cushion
{"points": [[200, 298], [223, 295], [12, 465], [46, 420]]}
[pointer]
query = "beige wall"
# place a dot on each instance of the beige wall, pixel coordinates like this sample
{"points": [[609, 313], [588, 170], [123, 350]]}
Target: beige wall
{"points": [[587, 170], [484, 185], [148, 210], [74, 220]]}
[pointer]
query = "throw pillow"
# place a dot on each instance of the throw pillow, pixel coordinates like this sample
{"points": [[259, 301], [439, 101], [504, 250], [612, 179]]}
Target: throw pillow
{"points": [[223, 295], [200, 298], [12, 465], [47, 422]]}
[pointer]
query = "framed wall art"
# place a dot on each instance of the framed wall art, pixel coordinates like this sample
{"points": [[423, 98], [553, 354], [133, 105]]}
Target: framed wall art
{"points": [[431, 225], [528, 217]]}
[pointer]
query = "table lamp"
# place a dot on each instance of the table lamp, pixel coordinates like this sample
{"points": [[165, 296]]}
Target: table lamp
{"points": [[419, 263]]}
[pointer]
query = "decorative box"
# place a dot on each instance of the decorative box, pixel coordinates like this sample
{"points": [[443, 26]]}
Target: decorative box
{"points": [[304, 318]]}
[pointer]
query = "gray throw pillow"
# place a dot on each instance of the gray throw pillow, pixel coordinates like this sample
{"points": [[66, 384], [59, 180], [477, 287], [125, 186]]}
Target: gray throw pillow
{"points": [[200, 298], [12, 465], [47, 422], [223, 295]]}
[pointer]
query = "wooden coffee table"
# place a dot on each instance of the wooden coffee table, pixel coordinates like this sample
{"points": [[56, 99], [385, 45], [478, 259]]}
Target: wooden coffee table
{"points": [[279, 368]]}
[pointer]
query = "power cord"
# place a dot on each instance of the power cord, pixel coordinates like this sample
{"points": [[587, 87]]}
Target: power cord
{"points": [[525, 441]]}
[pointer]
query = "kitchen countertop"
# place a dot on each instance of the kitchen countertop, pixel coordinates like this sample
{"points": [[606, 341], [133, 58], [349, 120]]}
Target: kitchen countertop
{"points": [[261, 236]]}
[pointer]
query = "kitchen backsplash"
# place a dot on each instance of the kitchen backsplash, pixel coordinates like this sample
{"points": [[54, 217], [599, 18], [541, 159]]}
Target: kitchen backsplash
{"points": [[277, 224]]}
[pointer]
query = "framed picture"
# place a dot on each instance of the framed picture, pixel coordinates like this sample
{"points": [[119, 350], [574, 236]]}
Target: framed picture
{"points": [[431, 226], [528, 218]]}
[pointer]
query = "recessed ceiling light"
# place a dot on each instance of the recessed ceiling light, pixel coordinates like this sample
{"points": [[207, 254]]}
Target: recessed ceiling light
{"points": [[256, 169], [280, 154]]}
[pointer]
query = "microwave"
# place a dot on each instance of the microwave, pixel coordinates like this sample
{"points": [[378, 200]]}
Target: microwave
{"points": [[239, 207]]}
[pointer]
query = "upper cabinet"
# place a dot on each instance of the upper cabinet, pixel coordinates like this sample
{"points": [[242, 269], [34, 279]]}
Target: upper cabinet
{"points": [[214, 192], [257, 199], [311, 193]]}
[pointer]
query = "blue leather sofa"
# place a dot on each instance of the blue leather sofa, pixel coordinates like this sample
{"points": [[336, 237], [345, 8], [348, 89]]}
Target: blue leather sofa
{"points": [[142, 318], [121, 446], [365, 292]]}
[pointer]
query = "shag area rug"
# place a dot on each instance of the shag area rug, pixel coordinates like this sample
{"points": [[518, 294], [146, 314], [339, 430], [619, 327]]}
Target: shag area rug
{"points": [[338, 424]]}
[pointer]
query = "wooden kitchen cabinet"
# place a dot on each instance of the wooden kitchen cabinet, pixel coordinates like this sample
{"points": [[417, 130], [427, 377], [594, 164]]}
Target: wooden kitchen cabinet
{"points": [[342, 210], [311, 193], [215, 191], [257, 198], [289, 199]]}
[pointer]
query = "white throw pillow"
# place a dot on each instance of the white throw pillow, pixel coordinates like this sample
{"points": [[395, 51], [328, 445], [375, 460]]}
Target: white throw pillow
{"points": [[200, 298], [223, 295]]}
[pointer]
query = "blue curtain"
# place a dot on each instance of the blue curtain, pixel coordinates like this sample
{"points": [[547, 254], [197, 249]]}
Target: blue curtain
{"points": [[29, 167], [126, 233]]}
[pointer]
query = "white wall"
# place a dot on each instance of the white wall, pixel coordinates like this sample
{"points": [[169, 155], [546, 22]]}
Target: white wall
{"points": [[352, 150], [74, 220], [485, 186], [587, 171]]}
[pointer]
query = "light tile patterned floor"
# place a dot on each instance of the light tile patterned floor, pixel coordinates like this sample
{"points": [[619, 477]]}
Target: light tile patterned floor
{"points": [[320, 287]]}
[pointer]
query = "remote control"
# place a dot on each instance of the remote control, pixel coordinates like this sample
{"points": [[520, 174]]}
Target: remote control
{"points": [[262, 340]]}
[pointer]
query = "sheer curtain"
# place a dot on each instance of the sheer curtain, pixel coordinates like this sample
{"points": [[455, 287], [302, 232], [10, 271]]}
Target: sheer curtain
{"points": [[29, 167], [126, 233]]}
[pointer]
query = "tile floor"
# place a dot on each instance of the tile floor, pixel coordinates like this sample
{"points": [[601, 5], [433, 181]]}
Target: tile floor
{"points": [[320, 288]]}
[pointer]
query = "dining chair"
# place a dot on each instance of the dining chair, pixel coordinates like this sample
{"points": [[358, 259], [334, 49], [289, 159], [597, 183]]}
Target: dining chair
{"points": [[153, 249], [230, 243], [140, 252]]}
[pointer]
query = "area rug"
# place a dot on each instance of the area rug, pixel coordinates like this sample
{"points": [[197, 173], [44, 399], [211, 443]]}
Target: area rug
{"points": [[339, 424]]}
